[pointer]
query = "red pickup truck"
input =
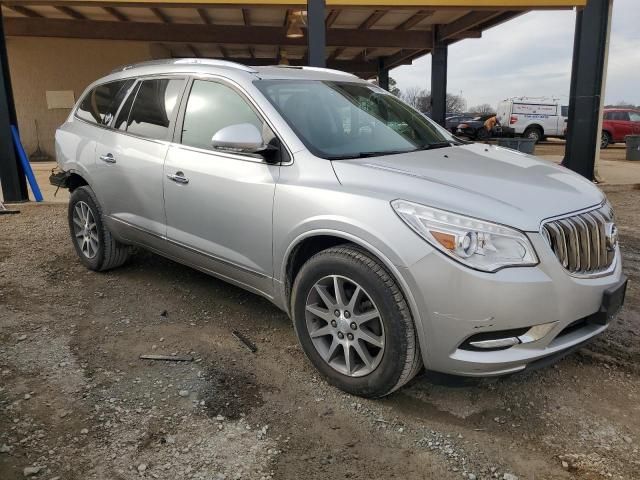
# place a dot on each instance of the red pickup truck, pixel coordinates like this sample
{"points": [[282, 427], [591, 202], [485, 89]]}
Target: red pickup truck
{"points": [[618, 123]]}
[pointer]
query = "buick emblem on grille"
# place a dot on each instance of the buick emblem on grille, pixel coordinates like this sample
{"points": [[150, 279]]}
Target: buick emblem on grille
{"points": [[611, 232]]}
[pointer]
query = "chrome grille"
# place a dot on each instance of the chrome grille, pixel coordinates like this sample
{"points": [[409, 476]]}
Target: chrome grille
{"points": [[585, 243]]}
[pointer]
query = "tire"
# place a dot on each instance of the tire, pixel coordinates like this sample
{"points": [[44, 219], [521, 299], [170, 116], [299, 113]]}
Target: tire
{"points": [[396, 361], [534, 133], [94, 244], [605, 140]]}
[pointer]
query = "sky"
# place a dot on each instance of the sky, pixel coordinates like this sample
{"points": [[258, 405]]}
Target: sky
{"points": [[531, 56]]}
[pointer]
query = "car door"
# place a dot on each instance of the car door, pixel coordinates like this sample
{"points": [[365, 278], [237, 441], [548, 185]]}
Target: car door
{"points": [[218, 204], [131, 155], [622, 126], [634, 117]]}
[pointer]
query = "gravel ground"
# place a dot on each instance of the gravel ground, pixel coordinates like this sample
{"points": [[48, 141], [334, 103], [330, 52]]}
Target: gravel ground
{"points": [[76, 402]]}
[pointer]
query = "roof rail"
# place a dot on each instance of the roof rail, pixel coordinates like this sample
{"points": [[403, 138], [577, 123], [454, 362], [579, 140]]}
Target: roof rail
{"points": [[187, 61], [317, 69]]}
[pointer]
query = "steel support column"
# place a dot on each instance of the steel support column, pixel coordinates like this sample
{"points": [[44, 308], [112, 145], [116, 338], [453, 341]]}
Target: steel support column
{"points": [[439, 56], [587, 76], [316, 33], [14, 185], [383, 75]]}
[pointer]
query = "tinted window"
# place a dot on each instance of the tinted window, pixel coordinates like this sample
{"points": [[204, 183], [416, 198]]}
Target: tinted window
{"points": [[619, 116], [564, 110], [213, 106], [153, 108], [101, 103]]}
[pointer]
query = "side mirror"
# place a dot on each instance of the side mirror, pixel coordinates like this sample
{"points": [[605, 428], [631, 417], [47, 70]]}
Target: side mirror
{"points": [[243, 137]]}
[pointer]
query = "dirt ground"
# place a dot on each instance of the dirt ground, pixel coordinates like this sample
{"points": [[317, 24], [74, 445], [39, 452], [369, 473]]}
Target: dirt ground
{"points": [[76, 402]]}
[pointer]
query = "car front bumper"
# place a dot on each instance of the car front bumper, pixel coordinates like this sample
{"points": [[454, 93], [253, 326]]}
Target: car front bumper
{"points": [[456, 303]]}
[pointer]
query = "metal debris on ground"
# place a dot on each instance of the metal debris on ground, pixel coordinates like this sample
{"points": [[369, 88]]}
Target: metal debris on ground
{"points": [[245, 341], [5, 211], [168, 358]]}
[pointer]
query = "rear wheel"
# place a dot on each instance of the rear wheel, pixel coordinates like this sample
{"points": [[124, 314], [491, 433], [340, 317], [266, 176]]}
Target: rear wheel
{"points": [[94, 244], [354, 324], [605, 140], [533, 133]]}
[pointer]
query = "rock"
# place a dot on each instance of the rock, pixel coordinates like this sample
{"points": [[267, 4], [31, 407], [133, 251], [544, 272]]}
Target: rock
{"points": [[471, 476], [31, 471], [509, 476], [627, 439], [84, 431], [183, 393], [142, 467], [22, 338], [27, 396], [565, 465], [4, 448]]}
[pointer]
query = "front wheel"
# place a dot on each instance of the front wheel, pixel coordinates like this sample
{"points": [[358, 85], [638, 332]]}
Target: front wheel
{"points": [[94, 244], [605, 140], [354, 324]]}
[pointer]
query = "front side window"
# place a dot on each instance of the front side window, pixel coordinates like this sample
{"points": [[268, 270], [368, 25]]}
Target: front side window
{"points": [[634, 116], [153, 108], [213, 106], [101, 103], [564, 110], [339, 120]]}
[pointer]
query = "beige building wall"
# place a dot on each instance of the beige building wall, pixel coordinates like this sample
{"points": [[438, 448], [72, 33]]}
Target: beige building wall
{"points": [[39, 64]]}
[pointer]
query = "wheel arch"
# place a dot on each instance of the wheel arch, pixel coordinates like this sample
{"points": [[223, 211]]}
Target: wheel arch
{"points": [[312, 242], [534, 126]]}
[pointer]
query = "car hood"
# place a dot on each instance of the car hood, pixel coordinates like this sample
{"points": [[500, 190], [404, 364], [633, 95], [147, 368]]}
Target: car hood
{"points": [[486, 182]]}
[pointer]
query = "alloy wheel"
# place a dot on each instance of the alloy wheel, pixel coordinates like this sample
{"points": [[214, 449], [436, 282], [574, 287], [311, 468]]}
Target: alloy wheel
{"points": [[345, 326], [85, 229]]}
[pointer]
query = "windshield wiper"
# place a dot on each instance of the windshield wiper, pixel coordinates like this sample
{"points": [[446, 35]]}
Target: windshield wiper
{"points": [[368, 154], [433, 146]]}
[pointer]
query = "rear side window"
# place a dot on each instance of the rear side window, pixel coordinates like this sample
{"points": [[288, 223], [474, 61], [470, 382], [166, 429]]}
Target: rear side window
{"points": [[564, 110], [153, 108], [634, 116], [211, 107], [101, 103], [619, 116]]}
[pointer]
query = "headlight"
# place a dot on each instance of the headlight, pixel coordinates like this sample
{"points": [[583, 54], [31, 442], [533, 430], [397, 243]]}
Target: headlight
{"points": [[478, 244]]}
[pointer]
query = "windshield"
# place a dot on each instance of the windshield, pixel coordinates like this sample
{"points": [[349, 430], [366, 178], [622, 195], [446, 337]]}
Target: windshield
{"points": [[338, 120]]}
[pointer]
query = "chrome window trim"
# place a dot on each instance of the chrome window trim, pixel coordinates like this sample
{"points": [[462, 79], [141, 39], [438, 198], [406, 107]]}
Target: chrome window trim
{"points": [[616, 255]]}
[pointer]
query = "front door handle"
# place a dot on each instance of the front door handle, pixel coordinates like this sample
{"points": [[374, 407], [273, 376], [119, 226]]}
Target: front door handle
{"points": [[108, 158], [178, 177]]}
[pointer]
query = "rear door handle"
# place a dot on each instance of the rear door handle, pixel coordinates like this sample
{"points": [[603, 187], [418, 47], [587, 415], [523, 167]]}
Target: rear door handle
{"points": [[178, 177], [108, 158]]}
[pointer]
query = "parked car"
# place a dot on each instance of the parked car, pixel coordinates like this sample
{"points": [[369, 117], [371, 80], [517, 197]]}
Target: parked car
{"points": [[535, 118], [474, 128], [452, 122], [388, 242], [617, 123]]}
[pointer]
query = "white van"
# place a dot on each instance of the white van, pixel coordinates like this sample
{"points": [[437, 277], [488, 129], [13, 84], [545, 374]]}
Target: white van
{"points": [[533, 117]]}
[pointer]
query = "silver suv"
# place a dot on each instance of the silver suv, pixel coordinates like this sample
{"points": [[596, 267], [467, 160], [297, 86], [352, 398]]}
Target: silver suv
{"points": [[390, 243]]}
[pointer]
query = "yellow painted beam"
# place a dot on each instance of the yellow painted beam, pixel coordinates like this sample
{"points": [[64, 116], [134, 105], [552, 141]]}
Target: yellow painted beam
{"points": [[433, 4]]}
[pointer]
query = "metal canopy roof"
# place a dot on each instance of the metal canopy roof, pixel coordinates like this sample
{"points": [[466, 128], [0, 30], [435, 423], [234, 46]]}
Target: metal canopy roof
{"points": [[359, 32]]}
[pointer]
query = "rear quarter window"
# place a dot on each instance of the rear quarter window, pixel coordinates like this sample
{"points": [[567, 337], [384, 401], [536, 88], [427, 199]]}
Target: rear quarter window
{"points": [[101, 103]]}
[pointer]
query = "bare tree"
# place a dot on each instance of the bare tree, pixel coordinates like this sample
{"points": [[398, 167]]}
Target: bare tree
{"points": [[482, 109], [455, 103], [418, 98]]}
